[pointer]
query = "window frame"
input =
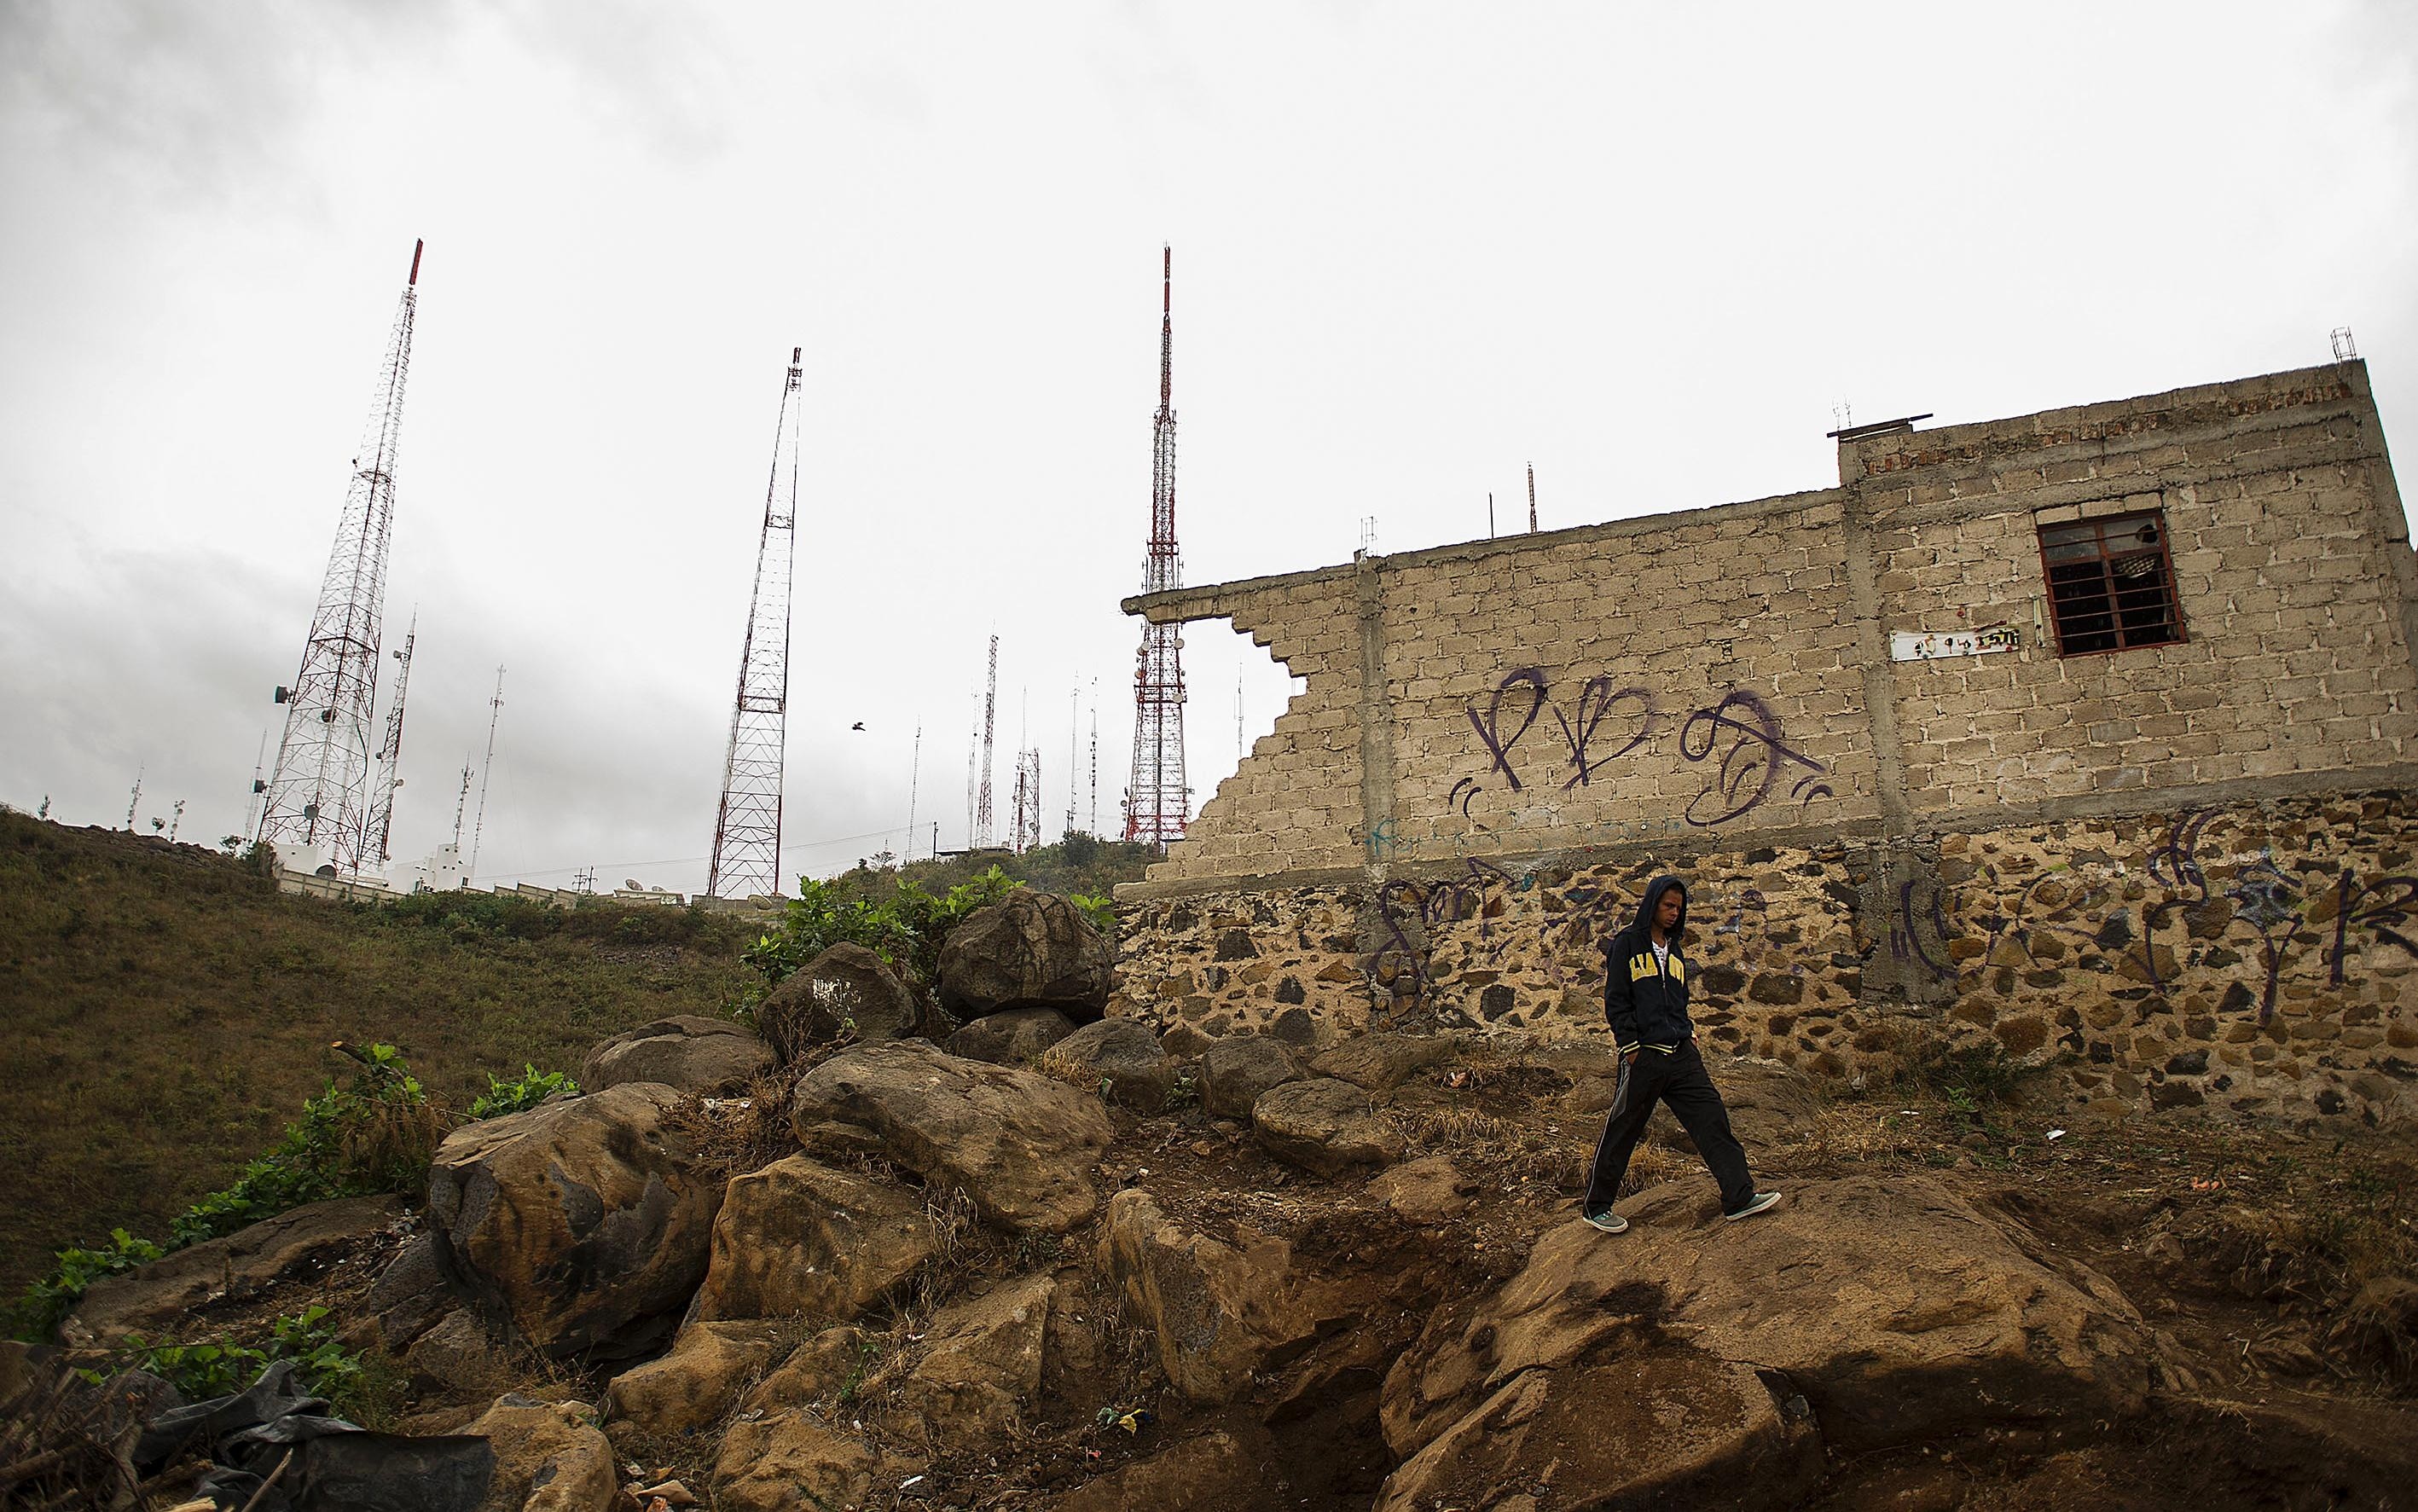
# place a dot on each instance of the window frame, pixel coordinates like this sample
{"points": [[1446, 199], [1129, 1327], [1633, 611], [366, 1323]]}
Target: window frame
{"points": [[2103, 525]]}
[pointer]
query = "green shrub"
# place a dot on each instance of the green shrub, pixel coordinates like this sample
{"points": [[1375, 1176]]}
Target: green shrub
{"points": [[531, 1089], [43, 1305], [201, 1371], [907, 928], [374, 1134], [1099, 913]]}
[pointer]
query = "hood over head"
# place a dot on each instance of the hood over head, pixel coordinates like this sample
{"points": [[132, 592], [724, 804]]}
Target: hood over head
{"points": [[1642, 927]]}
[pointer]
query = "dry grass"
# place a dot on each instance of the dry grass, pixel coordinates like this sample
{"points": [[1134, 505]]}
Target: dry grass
{"points": [[168, 1014]]}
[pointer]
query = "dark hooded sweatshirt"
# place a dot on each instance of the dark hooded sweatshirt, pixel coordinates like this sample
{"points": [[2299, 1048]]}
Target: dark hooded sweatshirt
{"points": [[1645, 998]]}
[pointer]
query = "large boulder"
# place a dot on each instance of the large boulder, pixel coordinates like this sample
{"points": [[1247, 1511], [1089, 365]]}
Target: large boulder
{"points": [[1011, 1037], [687, 1051], [846, 993], [697, 1380], [1898, 1311], [1030, 949], [1219, 1311], [1427, 1191], [1235, 1072], [1229, 1467], [166, 1293], [831, 1364], [1326, 1126], [800, 1240], [583, 1222], [1672, 1429], [786, 1462], [411, 1295], [981, 1364], [1122, 1058], [1020, 1145], [1382, 1061], [549, 1458]]}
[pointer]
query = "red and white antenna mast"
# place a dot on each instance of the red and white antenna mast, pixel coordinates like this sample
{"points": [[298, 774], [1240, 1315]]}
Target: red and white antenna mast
{"points": [[1158, 797], [747, 826], [320, 797]]}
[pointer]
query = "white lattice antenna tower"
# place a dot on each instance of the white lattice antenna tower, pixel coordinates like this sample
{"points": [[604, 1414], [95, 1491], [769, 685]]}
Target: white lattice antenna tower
{"points": [[747, 821], [319, 795]]}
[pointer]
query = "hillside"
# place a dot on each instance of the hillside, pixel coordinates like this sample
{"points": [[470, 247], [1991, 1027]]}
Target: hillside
{"points": [[167, 1010]]}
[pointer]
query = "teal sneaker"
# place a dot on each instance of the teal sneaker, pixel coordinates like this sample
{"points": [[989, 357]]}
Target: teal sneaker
{"points": [[1760, 1202], [1608, 1221]]}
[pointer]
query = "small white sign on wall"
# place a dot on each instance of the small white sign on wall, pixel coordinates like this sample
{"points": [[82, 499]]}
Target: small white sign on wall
{"points": [[1927, 646]]}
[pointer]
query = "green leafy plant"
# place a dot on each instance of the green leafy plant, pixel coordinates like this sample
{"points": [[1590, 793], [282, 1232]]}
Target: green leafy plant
{"points": [[1099, 913], [204, 1370], [376, 1133], [525, 1092], [39, 1309], [906, 929]]}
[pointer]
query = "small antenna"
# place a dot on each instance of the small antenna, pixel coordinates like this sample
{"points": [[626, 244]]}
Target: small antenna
{"points": [[259, 763], [2346, 350], [175, 820], [1490, 514], [1531, 498], [486, 774], [1367, 533], [134, 799], [461, 801], [1844, 413], [915, 769]]}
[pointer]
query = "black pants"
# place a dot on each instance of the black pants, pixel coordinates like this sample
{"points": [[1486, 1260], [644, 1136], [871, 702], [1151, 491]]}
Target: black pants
{"points": [[1678, 1080]]}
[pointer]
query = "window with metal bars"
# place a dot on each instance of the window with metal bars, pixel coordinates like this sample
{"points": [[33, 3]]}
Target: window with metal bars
{"points": [[2111, 584]]}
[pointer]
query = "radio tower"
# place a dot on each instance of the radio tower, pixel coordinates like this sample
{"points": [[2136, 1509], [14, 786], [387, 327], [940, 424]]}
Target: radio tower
{"points": [[319, 798], [747, 826], [1158, 797], [389, 753], [984, 836]]}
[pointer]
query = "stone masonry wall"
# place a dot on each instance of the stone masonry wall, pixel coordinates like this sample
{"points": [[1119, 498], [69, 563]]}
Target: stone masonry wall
{"points": [[1496, 742], [2261, 958]]}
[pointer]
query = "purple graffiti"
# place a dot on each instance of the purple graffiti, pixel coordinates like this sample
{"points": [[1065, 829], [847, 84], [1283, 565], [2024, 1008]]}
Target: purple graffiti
{"points": [[1595, 700], [1905, 937], [1448, 900], [2265, 899], [2176, 864], [1751, 761], [1489, 729], [2386, 907]]}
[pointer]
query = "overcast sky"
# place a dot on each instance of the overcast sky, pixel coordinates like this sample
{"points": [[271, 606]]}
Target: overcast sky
{"points": [[1417, 247]]}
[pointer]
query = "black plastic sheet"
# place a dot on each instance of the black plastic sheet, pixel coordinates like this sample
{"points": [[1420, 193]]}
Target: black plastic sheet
{"points": [[276, 1435]]}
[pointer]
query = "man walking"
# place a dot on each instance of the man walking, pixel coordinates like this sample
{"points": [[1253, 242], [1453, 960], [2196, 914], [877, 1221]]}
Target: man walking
{"points": [[1646, 1002]]}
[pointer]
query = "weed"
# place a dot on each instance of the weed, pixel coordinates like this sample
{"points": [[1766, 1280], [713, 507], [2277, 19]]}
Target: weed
{"points": [[45, 1304], [207, 1370], [374, 1134], [1969, 1078], [531, 1088]]}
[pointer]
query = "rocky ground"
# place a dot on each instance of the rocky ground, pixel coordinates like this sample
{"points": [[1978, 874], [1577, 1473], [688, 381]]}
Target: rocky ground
{"points": [[1051, 1265]]}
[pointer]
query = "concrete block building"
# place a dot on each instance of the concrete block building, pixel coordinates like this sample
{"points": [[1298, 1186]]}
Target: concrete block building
{"points": [[2089, 729]]}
